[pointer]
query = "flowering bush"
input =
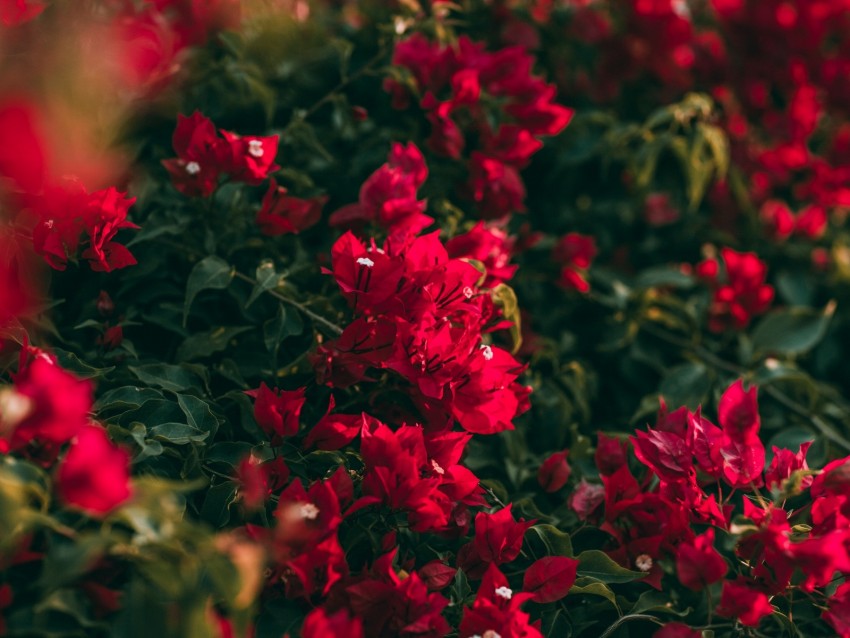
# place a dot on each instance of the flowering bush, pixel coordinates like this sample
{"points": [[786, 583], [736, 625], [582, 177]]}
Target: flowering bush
{"points": [[489, 319]]}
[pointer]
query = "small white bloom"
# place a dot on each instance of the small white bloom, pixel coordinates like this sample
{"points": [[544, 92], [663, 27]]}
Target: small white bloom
{"points": [[437, 468], [504, 592], [193, 168], [644, 562], [365, 261], [468, 292], [487, 352], [255, 148], [309, 511]]}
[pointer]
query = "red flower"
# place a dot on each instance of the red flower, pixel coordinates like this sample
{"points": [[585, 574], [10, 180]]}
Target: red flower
{"points": [[14, 12], [23, 154], [94, 475], [744, 293], [498, 536], [396, 474], [202, 156], [320, 624], [838, 614], [366, 277], [740, 600], [393, 606], [111, 338], [437, 575], [575, 253], [485, 400], [677, 630], [550, 578], [281, 214], [742, 451], [67, 212], [586, 499], [496, 187], [258, 479], [496, 610], [489, 245], [277, 412], [388, 196], [554, 472], [785, 463], [659, 211], [698, 563], [250, 159], [47, 404]]}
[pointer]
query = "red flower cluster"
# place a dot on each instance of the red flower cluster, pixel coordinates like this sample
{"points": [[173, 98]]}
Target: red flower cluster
{"points": [[388, 196], [739, 289], [575, 253], [459, 86], [282, 213], [204, 154], [48, 407], [685, 454], [70, 219], [14, 12], [421, 315]]}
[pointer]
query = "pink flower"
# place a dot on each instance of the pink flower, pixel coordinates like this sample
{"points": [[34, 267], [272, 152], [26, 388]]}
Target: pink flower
{"points": [[94, 475]]}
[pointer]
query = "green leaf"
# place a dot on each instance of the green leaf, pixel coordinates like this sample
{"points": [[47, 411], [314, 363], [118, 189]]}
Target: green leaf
{"points": [[656, 601], [284, 324], [211, 272], [178, 433], [198, 413], [557, 543], [687, 384], [599, 565], [67, 560], [146, 448], [591, 587], [125, 397], [217, 504], [203, 344], [663, 276], [505, 298], [167, 377], [267, 278], [791, 331], [80, 368]]}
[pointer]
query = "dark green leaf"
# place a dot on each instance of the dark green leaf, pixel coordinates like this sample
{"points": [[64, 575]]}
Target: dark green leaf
{"points": [[791, 331], [167, 377], [600, 566], [203, 344], [210, 272]]}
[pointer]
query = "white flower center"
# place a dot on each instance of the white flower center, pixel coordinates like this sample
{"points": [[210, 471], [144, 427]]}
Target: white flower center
{"points": [[487, 352], [309, 511], [644, 562], [49, 223], [468, 292], [193, 168], [14, 408], [490, 633], [437, 467], [504, 592], [255, 148], [365, 261]]}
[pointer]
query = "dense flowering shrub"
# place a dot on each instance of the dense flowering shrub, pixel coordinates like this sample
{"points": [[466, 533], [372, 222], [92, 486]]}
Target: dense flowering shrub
{"points": [[495, 319]]}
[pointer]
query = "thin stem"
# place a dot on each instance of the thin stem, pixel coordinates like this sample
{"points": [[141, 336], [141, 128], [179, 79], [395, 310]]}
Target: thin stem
{"points": [[625, 619], [301, 116], [331, 327]]}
